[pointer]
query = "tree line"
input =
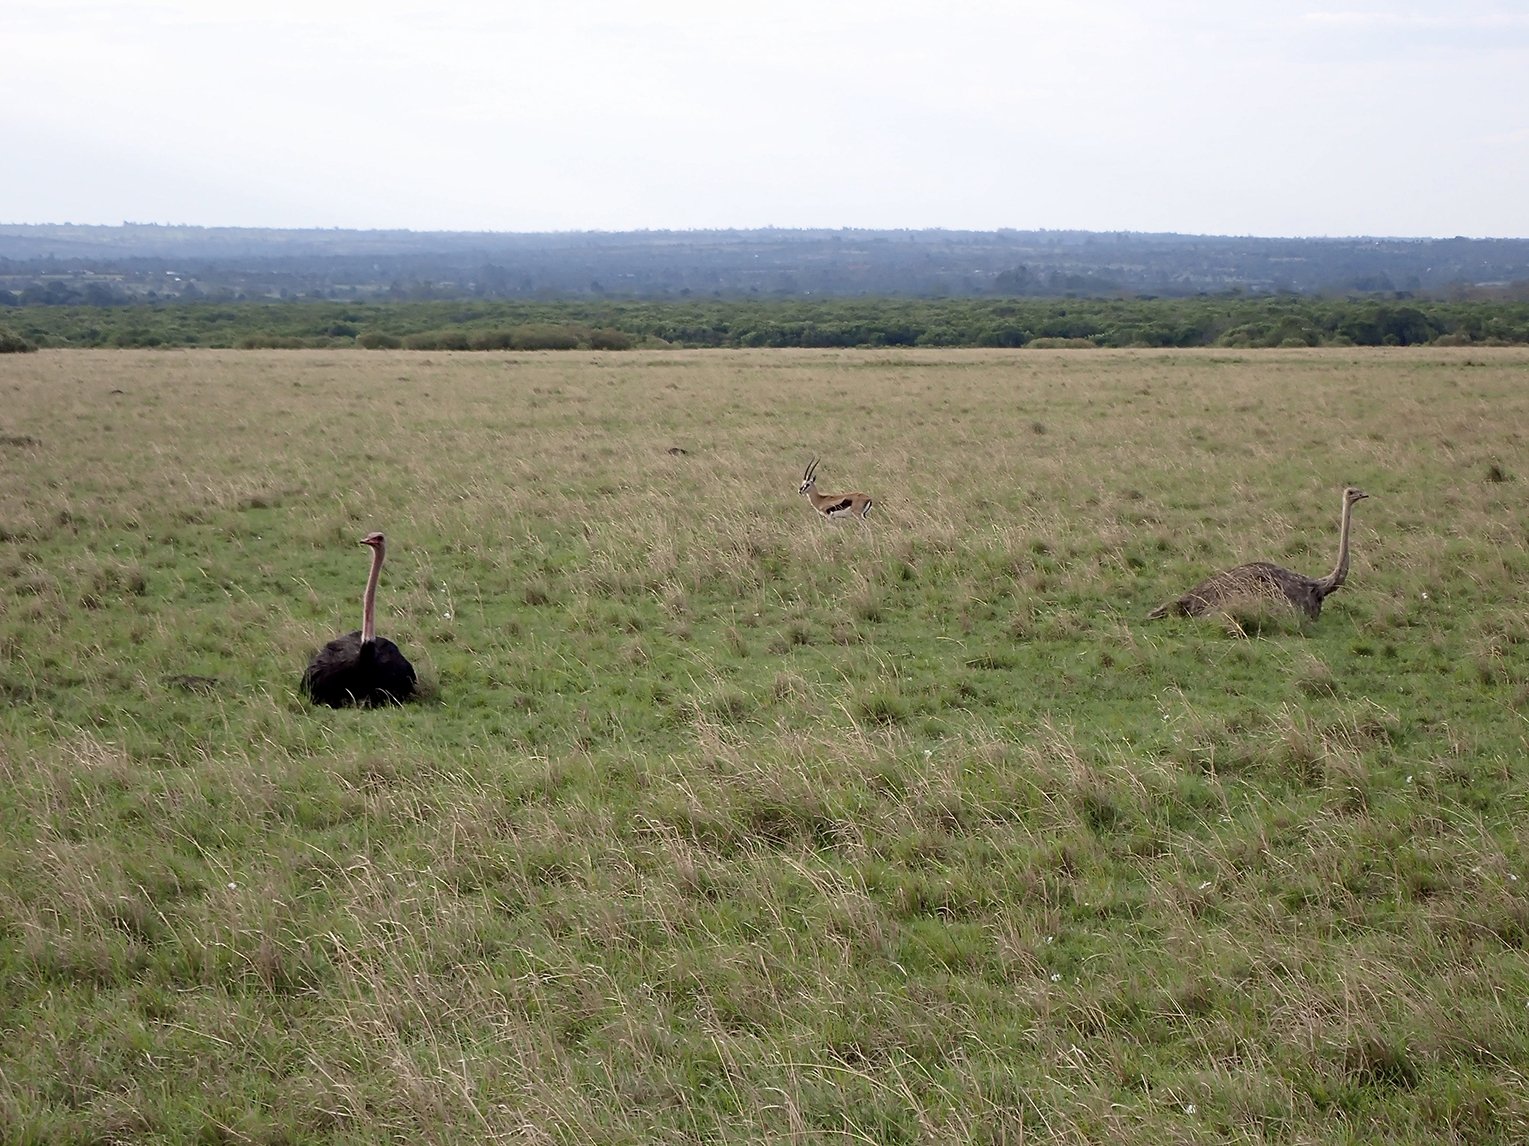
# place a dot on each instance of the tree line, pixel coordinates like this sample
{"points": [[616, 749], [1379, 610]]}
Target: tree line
{"points": [[1232, 320]]}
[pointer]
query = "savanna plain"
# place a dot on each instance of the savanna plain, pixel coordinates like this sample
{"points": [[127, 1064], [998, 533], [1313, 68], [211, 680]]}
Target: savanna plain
{"points": [[718, 822]]}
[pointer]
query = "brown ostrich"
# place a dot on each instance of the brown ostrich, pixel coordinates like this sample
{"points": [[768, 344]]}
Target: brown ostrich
{"points": [[361, 668], [1262, 579]]}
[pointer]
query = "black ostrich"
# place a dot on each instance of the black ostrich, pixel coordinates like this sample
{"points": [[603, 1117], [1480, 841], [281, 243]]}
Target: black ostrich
{"points": [[361, 668]]}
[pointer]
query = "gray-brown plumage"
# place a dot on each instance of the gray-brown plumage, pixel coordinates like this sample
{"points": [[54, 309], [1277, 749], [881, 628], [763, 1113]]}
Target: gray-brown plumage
{"points": [[1262, 579]]}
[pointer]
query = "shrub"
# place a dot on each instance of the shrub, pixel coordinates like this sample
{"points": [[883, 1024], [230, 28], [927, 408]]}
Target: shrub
{"points": [[12, 343], [437, 340], [608, 338], [493, 340], [137, 336], [1063, 344], [543, 336], [264, 342]]}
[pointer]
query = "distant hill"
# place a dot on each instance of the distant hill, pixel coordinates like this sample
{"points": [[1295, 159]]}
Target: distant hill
{"points": [[66, 264]]}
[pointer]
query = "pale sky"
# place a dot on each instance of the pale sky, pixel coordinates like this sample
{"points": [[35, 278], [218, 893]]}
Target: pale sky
{"points": [[1278, 117]]}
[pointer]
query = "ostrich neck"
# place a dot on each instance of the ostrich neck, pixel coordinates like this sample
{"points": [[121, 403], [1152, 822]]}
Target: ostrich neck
{"points": [[1340, 570], [369, 602]]}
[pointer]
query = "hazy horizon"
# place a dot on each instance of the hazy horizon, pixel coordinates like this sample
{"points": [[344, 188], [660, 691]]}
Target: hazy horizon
{"points": [[848, 228], [1313, 120]]}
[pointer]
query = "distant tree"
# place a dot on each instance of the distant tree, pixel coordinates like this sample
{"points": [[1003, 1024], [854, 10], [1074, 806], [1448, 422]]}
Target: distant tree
{"points": [[899, 334], [940, 336], [492, 340], [1007, 335], [543, 336], [1065, 325], [1389, 326], [437, 340], [1015, 280], [608, 338]]}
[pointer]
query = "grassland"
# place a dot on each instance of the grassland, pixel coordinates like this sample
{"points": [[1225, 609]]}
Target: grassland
{"points": [[719, 823]]}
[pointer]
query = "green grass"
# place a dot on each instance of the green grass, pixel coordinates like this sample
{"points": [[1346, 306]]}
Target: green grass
{"points": [[717, 822]]}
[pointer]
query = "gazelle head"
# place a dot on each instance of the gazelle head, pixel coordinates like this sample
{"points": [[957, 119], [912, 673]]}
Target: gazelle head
{"points": [[809, 477]]}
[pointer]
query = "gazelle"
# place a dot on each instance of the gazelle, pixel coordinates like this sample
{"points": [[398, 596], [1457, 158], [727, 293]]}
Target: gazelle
{"points": [[831, 505]]}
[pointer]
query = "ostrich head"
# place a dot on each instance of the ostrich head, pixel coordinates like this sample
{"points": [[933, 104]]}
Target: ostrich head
{"points": [[1353, 494], [376, 540], [809, 476]]}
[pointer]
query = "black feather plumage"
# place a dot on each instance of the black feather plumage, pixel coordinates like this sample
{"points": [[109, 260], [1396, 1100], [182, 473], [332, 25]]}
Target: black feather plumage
{"points": [[361, 669], [365, 674]]}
